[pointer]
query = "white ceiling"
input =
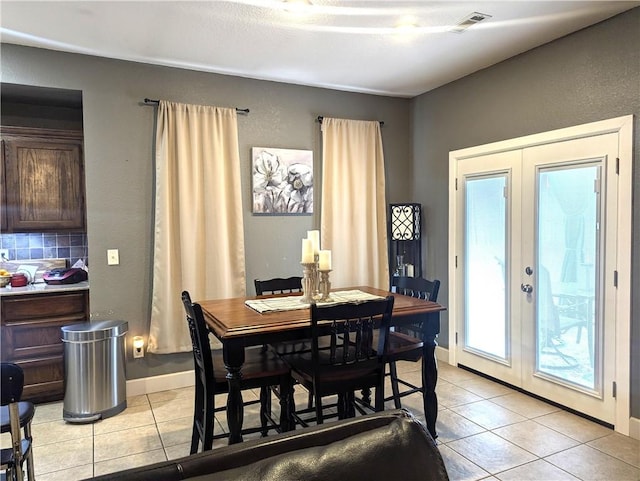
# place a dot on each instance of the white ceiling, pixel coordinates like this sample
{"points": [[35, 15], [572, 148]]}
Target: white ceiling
{"points": [[339, 44]]}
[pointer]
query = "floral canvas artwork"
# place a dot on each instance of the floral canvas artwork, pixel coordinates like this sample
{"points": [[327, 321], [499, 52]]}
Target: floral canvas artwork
{"points": [[282, 181]]}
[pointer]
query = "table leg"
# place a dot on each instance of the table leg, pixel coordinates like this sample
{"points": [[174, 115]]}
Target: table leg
{"points": [[429, 380]]}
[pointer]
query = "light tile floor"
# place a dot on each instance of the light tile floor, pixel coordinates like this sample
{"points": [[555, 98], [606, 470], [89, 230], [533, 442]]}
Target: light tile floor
{"points": [[486, 431]]}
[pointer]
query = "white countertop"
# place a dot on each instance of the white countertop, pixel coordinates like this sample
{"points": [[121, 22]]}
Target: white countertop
{"points": [[41, 287]]}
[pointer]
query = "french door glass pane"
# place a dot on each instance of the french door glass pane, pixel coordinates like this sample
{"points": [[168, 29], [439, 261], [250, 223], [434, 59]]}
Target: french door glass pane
{"points": [[485, 254], [567, 253]]}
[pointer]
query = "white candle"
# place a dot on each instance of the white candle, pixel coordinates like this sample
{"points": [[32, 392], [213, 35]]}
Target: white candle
{"points": [[314, 236], [324, 261], [307, 251]]}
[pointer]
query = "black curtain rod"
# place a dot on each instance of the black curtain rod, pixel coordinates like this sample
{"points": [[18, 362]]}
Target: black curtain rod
{"points": [[320, 118], [156, 102]]}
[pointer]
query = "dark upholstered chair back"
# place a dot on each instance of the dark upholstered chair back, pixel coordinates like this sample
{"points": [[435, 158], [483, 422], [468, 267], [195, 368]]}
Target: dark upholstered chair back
{"points": [[12, 383], [15, 416]]}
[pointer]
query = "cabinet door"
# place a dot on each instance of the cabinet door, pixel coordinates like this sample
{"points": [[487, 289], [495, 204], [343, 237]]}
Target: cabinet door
{"points": [[45, 185]]}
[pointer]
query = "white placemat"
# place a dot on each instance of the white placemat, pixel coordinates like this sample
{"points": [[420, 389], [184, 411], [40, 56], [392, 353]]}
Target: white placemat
{"points": [[292, 303]]}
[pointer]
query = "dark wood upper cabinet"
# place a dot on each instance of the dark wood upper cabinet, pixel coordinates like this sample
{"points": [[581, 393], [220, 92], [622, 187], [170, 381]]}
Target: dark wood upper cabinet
{"points": [[44, 180]]}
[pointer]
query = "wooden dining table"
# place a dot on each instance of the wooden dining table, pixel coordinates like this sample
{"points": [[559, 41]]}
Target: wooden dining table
{"points": [[238, 326]]}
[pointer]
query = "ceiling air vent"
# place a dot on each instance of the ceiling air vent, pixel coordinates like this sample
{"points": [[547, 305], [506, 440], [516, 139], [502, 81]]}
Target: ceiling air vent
{"points": [[470, 20]]}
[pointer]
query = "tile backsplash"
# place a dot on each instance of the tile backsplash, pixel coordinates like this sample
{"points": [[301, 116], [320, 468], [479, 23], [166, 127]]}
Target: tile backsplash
{"points": [[47, 245]]}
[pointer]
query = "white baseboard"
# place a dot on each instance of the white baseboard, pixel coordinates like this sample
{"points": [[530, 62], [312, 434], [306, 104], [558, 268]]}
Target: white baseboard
{"points": [[164, 382], [634, 428], [442, 354]]}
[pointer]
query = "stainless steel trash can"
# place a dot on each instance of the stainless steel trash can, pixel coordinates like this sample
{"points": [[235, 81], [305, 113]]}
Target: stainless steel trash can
{"points": [[94, 370]]}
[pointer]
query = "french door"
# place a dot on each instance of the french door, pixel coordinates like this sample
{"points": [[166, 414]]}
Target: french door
{"points": [[536, 261]]}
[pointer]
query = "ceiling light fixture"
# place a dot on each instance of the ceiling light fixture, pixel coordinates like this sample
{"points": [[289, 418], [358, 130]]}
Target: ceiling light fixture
{"points": [[469, 21], [407, 25], [406, 29], [296, 5]]}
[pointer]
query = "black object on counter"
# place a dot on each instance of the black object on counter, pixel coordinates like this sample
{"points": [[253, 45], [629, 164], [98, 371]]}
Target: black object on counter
{"points": [[72, 275]]}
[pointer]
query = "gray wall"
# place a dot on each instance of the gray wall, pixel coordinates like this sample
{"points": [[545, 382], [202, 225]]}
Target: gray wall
{"points": [[119, 134], [591, 75]]}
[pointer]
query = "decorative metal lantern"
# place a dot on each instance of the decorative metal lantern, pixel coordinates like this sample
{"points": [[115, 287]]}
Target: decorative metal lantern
{"points": [[405, 256]]}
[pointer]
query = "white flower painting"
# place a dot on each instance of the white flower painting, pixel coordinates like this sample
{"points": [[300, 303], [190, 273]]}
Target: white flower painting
{"points": [[282, 181]]}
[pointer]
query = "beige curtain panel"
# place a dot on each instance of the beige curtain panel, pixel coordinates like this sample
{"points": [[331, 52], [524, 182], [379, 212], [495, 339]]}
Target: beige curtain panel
{"points": [[199, 239], [353, 209]]}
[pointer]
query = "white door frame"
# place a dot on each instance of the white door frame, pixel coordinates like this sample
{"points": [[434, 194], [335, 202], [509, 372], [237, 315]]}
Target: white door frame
{"points": [[624, 127]]}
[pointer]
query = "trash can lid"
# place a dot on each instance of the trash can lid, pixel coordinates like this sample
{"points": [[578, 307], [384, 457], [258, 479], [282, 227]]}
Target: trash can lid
{"points": [[94, 331]]}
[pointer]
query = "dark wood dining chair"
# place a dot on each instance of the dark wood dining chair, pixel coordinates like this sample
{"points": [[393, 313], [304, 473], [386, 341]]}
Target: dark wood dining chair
{"points": [[350, 362], [406, 343], [261, 369], [278, 285], [16, 416]]}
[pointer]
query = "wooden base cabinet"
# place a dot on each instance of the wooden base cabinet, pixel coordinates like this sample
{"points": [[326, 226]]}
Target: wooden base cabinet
{"points": [[31, 338]]}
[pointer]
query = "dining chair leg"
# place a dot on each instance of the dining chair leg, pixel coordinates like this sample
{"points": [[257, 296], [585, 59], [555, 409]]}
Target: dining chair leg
{"points": [[394, 384], [15, 473], [350, 404], [265, 408], [31, 475], [345, 405], [17, 452], [379, 399], [198, 418], [195, 438], [366, 396], [318, 402], [207, 425], [287, 422], [292, 406], [270, 393]]}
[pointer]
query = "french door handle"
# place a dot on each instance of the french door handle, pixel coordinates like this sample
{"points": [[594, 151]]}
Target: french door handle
{"points": [[528, 288]]}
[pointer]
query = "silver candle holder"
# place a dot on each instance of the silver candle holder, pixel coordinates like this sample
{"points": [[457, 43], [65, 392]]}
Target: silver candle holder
{"points": [[309, 282], [324, 286]]}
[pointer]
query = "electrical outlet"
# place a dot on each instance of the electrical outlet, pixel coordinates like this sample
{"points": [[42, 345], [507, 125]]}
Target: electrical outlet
{"points": [[4, 255], [138, 347], [138, 352], [113, 257]]}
